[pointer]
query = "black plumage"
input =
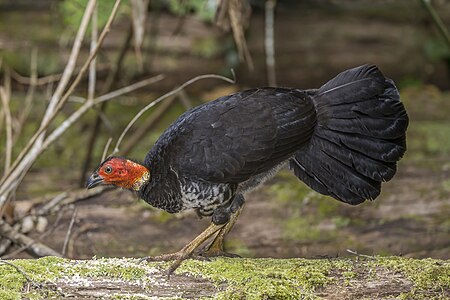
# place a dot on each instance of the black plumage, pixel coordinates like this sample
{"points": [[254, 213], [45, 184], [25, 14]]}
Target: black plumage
{"points": [[342, 140]]}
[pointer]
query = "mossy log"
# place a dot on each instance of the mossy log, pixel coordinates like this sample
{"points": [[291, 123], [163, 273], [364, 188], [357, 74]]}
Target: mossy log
{"points": [[227, 278]]}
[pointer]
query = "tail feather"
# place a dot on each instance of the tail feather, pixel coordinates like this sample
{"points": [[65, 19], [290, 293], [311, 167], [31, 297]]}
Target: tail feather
{"points": [[367, 166], [360, 135]]}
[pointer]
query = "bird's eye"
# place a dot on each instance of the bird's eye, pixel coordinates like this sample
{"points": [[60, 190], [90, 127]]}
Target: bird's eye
{"points": [[108, 170]]}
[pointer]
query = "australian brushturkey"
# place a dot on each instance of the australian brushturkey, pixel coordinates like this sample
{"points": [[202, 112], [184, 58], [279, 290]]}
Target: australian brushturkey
{"points": [[342, 140]]}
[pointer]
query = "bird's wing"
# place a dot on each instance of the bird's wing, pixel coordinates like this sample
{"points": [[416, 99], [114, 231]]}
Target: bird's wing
{"points": [[237, 136]]}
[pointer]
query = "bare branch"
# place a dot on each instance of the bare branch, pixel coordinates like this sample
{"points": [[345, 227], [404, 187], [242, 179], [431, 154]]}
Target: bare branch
{"points": [[32, 150], [69, 232], [87, 105], [362, 255], [92, 66], [171, 93], [64, 199], [70, 67], [149, 123], [128, 89], [437, 21], [25, 247], [36, 248], [9, 142], [269, 42], [38, 82], [54, 100], [51, 204], [236, 14], [105, 150], [30, 94]]}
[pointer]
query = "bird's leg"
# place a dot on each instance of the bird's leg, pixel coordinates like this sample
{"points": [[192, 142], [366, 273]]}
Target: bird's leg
{"points": [[216, 248], [187, 250]]}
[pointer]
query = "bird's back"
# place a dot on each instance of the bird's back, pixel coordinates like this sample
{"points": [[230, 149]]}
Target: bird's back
{"points": [[235, 137]]}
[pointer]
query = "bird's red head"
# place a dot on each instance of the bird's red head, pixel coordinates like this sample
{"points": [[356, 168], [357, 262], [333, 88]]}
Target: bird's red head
{"points": [[120, 172]]}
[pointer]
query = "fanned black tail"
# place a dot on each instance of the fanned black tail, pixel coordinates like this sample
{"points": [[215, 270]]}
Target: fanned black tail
{"points": [[359, 137]]}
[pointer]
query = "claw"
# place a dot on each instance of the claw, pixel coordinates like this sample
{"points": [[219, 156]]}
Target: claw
{"points": [[210, 252]]}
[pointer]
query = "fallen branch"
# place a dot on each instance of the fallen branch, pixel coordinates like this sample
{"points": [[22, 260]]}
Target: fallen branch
{"points": [[238, 278], [64, 199], [25, 247], [21, 272], [33, 247]]}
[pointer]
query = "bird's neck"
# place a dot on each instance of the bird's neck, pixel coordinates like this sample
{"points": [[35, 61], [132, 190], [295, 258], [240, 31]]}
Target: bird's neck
{"points": [[139, 175], [141, 180], [163, 190]]}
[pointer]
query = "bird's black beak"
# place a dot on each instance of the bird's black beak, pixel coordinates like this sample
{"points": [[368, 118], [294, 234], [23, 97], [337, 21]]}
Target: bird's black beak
{"points": [[94, 180]]}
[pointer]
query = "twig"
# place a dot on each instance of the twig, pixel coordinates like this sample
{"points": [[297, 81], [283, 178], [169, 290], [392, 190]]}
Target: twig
{"points": [[145, 128], [437, 21], [51, 204], [110, 80], [76, 235], [128, 89], [269, 42], [67, 74], [69, 232], [361, 255], [38, 82], [30, 94], [36, 248], [184, 99], [21, 165], [78, 195], [20, 271], [92, 65], [139, 11], [171, 93], [49, 231], [105, 150], [236, 15], [70, 67], [87, 105], [8, 122]]}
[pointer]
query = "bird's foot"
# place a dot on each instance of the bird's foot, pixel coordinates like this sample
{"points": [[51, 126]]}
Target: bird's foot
{"points": [[209, 253], [177, 257], [216, 249], [162, 257]]}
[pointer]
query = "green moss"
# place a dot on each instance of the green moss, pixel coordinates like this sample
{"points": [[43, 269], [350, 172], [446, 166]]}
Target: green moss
{"points": [[265, 278], [108, 267], [12, 281], [48, 269], [239, 278], [9, 294], [426, 274]]}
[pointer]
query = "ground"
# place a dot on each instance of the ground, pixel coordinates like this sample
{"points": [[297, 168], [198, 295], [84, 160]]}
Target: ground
{"points": [[227, 278]]}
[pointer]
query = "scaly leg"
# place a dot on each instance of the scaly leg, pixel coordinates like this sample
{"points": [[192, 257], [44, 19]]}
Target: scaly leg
{"points": [[216, 248], [187, 250]]}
